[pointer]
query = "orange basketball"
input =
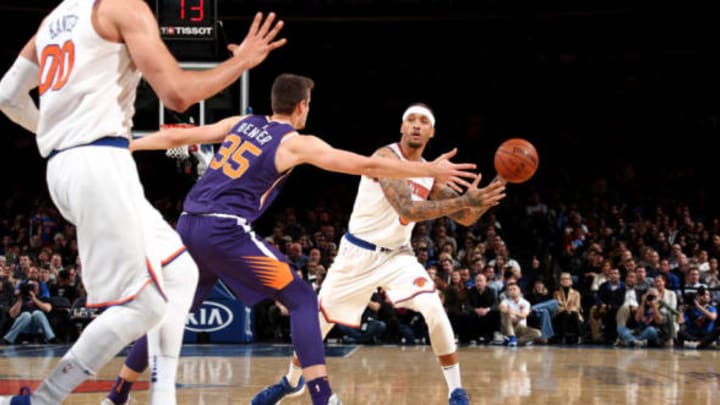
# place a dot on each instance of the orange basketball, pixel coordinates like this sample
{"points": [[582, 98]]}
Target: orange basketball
{"points": [[516, 160]]}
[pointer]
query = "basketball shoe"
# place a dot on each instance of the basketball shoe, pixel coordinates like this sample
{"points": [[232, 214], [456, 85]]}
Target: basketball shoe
{"points": [[275, 393], [459, 397], [22, 399]]}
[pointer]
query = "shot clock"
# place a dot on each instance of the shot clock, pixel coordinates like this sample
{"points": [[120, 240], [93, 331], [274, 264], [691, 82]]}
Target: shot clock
{"points": [[187, 19]]}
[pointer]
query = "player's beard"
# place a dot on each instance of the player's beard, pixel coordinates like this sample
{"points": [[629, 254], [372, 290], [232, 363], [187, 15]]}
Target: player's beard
{"points": [[415, 144]]}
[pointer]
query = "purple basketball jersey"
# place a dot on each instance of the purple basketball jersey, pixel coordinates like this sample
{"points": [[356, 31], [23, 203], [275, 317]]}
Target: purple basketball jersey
{"points": [[242, 178]]}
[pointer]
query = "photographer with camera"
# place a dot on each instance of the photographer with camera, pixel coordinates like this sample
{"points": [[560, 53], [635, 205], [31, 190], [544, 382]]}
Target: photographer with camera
{"points": [[648, 319], [7, 294], [30, 312], [697, 320]]}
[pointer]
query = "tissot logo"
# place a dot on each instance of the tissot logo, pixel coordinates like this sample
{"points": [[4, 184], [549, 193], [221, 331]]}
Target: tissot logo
{"points": [[211, 317], [187, 31]]}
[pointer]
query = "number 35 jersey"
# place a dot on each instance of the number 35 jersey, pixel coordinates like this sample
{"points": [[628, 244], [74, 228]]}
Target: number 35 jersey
{"points": [[86, 83], [242, 178]]}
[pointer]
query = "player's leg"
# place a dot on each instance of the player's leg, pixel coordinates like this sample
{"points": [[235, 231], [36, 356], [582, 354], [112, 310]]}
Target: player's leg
{"points": [[408, 285], [343, 298], [180, 275], [97, 189], [137, 359]]}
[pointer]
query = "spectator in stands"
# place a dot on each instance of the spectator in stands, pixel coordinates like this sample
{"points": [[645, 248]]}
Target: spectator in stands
{"points": [[671, 279], [30, 313], [7, 296], [712, 279], [295, 255], [483, 315], [495, 281], [649, 320], [464, 255], [691, 286], [543, 306], [502, 251], [642, 281], [514, 311], [568, 317], [697, 319], [421, 253], [668, 308], [611, 296]]}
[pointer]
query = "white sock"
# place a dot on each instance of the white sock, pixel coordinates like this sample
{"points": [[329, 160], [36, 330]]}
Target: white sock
{"points": [[163, 372], [294, 374], [452, 377]]}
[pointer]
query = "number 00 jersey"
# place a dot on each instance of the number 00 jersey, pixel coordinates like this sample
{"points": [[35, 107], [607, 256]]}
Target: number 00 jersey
{"points": [[242, 178], [373, 218], [86, 84]]}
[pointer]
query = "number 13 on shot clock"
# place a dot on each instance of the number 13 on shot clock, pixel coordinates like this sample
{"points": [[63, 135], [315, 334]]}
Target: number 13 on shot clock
{"points": [[187, 19]]}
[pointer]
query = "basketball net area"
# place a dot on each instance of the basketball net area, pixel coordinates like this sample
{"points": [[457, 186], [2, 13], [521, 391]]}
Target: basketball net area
{"points": [[152, 115]]}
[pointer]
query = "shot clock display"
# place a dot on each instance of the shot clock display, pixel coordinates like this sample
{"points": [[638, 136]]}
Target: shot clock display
{"points": [[187, 19]]}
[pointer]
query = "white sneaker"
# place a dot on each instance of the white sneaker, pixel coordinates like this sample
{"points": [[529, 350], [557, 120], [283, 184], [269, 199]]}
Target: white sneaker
{"points": [[691, 345], [639, 343], [334, 400]]}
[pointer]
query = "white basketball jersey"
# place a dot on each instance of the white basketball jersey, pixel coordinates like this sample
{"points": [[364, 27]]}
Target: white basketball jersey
{"points": [[373, 219], [87, 84]]}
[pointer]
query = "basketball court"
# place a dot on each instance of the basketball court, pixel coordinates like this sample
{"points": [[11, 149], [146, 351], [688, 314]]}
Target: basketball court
{"points": [[231, 374]]}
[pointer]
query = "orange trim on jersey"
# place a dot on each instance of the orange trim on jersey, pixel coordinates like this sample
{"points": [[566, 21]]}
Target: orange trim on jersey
{"points": [[173, 256], [154, 278], [415, 295], [265, 195], [327, 318], [402, 152], [120, 301], [272, 273], [419, 190]]}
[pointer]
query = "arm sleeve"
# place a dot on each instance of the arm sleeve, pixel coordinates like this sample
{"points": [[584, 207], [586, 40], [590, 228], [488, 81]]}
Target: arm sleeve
{"points": [[15, 100]]}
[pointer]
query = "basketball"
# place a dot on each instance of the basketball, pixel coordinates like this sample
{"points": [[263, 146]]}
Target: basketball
{"points": [[516, 160]]}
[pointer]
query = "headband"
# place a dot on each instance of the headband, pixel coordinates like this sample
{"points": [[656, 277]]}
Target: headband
{"points": [[418, 109]]}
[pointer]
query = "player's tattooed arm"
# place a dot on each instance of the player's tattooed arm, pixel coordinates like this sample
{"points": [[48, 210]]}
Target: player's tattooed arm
{"points": [[399, 194], [467, 216]]}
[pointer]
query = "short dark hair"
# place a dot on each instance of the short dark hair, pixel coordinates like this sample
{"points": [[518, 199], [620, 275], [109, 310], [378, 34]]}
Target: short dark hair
{"points": [[288, 90]]}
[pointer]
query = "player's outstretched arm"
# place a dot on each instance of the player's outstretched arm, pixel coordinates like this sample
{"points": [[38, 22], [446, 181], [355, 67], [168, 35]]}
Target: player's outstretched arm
{"points": [[15, 86], [308, 149], [467, 216], [399, 194], [167, 138], [132, 22]]}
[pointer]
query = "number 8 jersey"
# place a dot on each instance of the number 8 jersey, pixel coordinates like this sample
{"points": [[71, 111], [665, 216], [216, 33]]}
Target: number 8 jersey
{"points": [[242, 178], [86, 83]]}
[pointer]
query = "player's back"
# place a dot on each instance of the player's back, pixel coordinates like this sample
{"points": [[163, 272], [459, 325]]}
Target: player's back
{"points": [[374, 219], [87, 84], [242, 178]]}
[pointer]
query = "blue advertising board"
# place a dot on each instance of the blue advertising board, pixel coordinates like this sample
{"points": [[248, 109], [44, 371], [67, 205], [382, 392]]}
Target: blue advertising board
{"points": [[224, 319]]}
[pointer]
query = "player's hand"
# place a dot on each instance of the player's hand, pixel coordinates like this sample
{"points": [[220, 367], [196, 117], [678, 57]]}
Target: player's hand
{"points": [[486, 197], [451, 174], [259, 41]]}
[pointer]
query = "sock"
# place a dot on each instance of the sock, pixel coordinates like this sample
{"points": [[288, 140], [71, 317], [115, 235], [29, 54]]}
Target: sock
{"points": [[163, 373], [120, 391], [452, 377], [293, 375], [320, 390]]}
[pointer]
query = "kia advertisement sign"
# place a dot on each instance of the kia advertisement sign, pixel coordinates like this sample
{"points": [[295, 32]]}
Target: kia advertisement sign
{"points": [[211, 317], [222, 318]]}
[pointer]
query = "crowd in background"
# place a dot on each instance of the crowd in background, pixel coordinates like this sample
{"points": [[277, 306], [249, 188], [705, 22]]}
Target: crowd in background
{"points": [[540, 270]]}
